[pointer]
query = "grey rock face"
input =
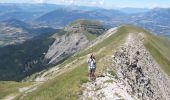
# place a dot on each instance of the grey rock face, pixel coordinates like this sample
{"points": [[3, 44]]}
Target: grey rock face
{"points": [[96, 29], [139, 71], [106, 87], [66, 45], [76, 38]]}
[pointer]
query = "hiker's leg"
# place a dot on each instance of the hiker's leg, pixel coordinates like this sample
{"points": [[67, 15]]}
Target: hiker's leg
{"points": [[90, 76], [92, 73], [88, 72], [93, 76]]}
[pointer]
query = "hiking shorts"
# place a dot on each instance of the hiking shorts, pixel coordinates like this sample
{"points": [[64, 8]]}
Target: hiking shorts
{"points": [[92, 70]]}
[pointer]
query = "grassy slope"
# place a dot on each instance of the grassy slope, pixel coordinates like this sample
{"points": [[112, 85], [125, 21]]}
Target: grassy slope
{"points": [[85, 22], [67, 86], [8, 87], [159, 47], [90, 36]]}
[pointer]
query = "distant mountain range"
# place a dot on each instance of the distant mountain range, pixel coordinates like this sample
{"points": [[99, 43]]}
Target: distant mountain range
{"points": [[57, 16], [62, 17], [133, 10], [24, 12], [20, 22], [155, 20]]}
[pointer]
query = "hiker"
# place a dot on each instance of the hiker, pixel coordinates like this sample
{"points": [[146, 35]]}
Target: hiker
{"points": [[91, 67]]}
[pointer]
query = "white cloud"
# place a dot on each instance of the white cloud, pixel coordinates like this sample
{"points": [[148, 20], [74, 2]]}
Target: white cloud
{"points": [[101, 2], [39, 1], [65, 2], [154, 6], [77, 2]]}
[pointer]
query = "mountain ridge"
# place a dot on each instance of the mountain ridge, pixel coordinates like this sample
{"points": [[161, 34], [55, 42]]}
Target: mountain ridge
{"points": [[64, 74], [68, 80]]}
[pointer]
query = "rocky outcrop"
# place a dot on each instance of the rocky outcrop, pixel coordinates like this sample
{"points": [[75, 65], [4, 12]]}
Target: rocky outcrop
{"points": [[66, 45], [76, 37], [139, 71], [106, 87], [87, 26]]}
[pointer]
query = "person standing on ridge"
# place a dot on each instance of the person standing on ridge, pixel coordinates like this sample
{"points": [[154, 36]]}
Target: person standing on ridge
{"points": [[91, 67]]}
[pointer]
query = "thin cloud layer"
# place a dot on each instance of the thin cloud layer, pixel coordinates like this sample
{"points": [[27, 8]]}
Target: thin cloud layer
{"points": [[100, 3]]}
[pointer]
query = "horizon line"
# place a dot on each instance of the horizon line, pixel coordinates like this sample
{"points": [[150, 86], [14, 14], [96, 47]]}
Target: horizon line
{"points": [[84, 5]]}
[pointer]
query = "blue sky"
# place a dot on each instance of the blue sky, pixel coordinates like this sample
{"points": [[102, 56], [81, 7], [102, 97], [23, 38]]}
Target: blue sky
{"points": [[101, 3]]}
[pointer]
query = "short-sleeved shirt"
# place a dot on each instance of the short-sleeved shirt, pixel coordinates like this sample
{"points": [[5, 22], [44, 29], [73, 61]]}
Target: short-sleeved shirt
{"points": [[91, 63]]}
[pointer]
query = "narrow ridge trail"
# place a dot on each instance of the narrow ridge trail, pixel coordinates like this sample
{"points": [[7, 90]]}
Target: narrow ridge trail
{"points": [[137, 76], [106, 86]]}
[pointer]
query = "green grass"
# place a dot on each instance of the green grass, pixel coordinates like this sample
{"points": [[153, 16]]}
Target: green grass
{"points": [[85, 22], [90, 36], [64, 87], [8, 87], [159, 47]]}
